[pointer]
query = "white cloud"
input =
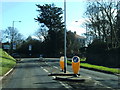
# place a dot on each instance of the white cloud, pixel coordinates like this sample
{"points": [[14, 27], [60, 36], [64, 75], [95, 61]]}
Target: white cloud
{"points": [[77, 26], [34, 37]]}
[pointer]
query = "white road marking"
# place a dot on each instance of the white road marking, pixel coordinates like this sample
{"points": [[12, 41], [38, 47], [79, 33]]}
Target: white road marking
{"points": [[55, 67], [6, 74], [46, 62], [65, 85], [53, 76], [97, 82], [45, 70]]}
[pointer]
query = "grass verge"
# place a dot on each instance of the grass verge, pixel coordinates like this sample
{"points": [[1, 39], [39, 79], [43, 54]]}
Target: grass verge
{"points": [[6, 62], [99, 68]]}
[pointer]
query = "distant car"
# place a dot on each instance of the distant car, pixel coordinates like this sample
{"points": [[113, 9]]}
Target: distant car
{"points": [[41, 57], [17, 56]]}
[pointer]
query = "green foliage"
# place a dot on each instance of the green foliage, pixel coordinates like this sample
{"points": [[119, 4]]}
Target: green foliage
{"points": [[97, 46], [102, 68], [98, 54], [6, 62], [4, 54], [51, 17], [36, 47]]}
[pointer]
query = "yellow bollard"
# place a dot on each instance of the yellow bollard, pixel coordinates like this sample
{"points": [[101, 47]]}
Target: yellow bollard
{"points": [[76, 64], [62, 62]]}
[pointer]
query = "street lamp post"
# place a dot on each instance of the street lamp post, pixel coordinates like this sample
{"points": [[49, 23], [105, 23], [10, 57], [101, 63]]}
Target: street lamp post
{"points": [[65, 58], [13, 24], [12, 32]]}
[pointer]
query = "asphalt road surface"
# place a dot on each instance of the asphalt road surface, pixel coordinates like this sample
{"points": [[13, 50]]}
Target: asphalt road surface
{"points": [[33, 73]]}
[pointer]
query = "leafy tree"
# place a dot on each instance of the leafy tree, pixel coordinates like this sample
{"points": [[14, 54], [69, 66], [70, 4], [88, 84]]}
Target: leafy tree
{"points": [[36, 47], [51, 17]]}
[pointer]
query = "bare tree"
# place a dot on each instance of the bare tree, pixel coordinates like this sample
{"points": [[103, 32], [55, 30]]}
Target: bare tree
{"points": [[13, 36], [42, 32], [102, 21]]}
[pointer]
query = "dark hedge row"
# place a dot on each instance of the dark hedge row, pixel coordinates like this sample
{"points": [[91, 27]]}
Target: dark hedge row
{"points": [[98, 54]]}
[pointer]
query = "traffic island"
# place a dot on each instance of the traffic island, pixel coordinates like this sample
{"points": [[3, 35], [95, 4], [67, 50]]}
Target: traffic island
{"points": [[73, 78], [62, 74], [69, 77]]}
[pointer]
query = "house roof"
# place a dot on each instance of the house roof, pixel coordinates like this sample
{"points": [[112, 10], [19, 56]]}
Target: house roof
{"points": [[78, 36]]}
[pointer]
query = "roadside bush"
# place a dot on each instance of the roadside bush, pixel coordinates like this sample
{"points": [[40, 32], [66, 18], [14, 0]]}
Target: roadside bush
{"points": [[98, 54], [97, 47]]}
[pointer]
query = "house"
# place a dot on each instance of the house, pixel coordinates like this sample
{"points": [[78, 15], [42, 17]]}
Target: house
{"points": [[81, 39]]}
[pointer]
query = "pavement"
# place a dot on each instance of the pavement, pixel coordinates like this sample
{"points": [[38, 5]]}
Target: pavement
{"points": [[69, 76]]}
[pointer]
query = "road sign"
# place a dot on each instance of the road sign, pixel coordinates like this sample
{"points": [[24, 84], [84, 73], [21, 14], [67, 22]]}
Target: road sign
{"points": [[76, 64], [30, 47], [76, 59], [6, 46], [14, 46]]}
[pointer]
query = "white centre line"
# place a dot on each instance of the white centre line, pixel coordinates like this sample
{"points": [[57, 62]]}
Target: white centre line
{"points": [[65, 85], [55, 67], [53, 77], [45, 70], [46, 63]]}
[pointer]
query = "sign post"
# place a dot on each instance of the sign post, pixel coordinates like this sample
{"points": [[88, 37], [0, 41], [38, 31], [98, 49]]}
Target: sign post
{"points": [[6, 46], [14, 46], [76, 64], [30, 48]]}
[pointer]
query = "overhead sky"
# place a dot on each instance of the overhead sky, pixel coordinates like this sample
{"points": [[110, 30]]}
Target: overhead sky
{"points": [[25, 11]]}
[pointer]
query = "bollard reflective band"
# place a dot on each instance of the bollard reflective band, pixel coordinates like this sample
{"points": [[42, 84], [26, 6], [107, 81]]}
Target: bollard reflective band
{"points": [[62, 62], [62, 58]]}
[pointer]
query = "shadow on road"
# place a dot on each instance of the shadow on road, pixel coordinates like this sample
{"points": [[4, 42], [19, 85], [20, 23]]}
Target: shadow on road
{"points": [[52, 61], [29, 61], [44, 82], [34, 63]]}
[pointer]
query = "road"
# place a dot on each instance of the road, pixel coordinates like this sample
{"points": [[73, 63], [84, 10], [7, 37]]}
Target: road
{"points": [[33, 73]]}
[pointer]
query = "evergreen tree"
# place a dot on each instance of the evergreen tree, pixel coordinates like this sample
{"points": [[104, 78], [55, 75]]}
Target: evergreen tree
{"points": [[51, 17]]}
